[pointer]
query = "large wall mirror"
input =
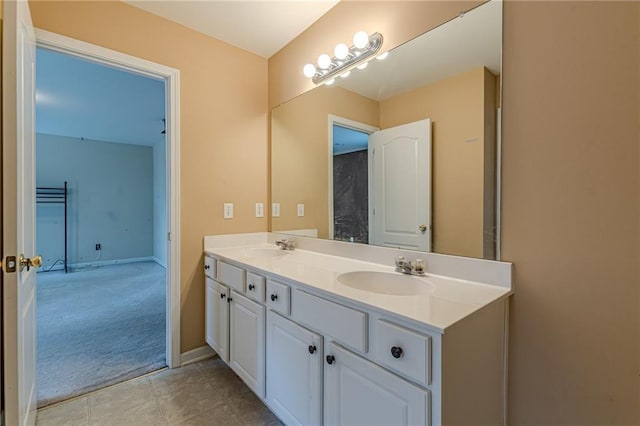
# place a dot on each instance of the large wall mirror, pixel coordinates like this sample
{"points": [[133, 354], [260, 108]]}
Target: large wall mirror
{"points": [[403, 153]]}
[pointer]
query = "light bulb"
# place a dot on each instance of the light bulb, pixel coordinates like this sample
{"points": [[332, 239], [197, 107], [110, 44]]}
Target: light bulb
{"points": [[309, 70], [360, 39], [324, 61], [363, 65], [330, 82], [346, 74], [382, 56], [341, 51]]}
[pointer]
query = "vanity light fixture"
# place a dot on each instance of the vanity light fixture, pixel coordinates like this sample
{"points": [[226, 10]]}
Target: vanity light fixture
{"points": [[345, 58]]}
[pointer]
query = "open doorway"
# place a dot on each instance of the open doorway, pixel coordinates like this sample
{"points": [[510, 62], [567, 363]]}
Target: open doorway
{"points": [[349, 180], [350, 185], [102, 228]]}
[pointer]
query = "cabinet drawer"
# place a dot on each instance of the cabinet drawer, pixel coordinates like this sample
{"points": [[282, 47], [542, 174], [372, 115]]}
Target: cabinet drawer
{"points": [[404, 351], [231, 275], [255, 287], [210, 267], [278, 297], [344, 324]]}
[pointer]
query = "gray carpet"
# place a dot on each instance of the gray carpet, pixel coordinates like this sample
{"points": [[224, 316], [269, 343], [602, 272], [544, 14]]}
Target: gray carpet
{"points": [[98, 327]]}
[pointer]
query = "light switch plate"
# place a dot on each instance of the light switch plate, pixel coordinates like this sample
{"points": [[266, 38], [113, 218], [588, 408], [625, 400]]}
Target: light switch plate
{"points": [[275, 210], [259, 210], [300, 210], [228, 211]]}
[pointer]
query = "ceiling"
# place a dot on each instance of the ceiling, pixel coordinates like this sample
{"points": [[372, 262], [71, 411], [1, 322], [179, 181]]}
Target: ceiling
{"points": [[347, 140], [83, 99], [262, 27]]}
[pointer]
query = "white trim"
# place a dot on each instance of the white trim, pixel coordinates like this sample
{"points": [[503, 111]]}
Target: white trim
{"points": [[351, 124], [159, 262], [195, 355], [171, 77], [102, 263], [172, 90]]}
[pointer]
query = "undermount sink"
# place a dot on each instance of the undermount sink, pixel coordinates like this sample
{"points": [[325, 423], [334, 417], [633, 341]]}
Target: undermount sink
{"points": [[395, 284], [265, 252]]}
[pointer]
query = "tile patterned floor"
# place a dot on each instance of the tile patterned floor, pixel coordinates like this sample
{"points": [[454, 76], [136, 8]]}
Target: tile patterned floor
{"points": [[204, 393]]}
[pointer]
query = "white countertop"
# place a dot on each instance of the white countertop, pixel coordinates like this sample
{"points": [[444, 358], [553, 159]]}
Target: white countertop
{"points": [[448, 300]]}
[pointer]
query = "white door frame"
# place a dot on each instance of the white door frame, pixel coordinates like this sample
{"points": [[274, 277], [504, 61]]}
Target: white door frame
{"points": [[171, 77], [349, 124]]}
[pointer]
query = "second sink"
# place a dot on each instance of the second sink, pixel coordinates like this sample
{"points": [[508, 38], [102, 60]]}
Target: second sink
{"points": [[385, 283]]}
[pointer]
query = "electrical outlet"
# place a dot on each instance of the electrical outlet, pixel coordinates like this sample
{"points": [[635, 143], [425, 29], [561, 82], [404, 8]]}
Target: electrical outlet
{"points": [[98, 247], [259, 210], [228, 211], [275, 210], [300, 210]]}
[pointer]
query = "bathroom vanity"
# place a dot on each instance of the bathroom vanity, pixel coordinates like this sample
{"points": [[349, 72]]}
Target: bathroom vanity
{"points": [[329, 333]]}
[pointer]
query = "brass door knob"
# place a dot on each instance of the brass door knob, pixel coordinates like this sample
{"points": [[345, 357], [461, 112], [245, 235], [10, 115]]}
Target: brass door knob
{"points": [[32, 262]]}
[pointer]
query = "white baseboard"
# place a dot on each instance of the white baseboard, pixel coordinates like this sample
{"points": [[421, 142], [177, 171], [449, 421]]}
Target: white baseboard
{"points": [[157, 260], [197, 354], [46, 268], [81, 265]]}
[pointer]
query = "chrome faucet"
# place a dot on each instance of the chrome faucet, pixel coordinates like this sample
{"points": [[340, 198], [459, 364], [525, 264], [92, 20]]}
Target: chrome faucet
{"points": [[286, 244], [411, 267]]}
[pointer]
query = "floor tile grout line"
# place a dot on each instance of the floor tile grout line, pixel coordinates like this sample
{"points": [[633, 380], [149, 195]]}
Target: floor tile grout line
{"points": [[89, 418], [158, 407]]}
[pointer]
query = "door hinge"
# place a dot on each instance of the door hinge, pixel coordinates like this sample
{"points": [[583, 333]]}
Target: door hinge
{"points": [[9, 264], [168, 236]]}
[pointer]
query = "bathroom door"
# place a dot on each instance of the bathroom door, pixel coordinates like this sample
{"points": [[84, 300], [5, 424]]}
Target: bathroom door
{"points": [[400, 193], [18, 219]]}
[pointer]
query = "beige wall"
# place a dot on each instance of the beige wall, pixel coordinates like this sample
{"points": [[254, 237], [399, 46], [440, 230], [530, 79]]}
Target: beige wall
{"points": [[570, 210], [223, 125], [299, 162], [456, 107], [570, 195]]}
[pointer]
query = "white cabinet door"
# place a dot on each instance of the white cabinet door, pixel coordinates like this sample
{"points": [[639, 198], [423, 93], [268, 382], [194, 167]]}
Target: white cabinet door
{"points": [[217, 324], [294, 372], [358, 392], [247, 341]]}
